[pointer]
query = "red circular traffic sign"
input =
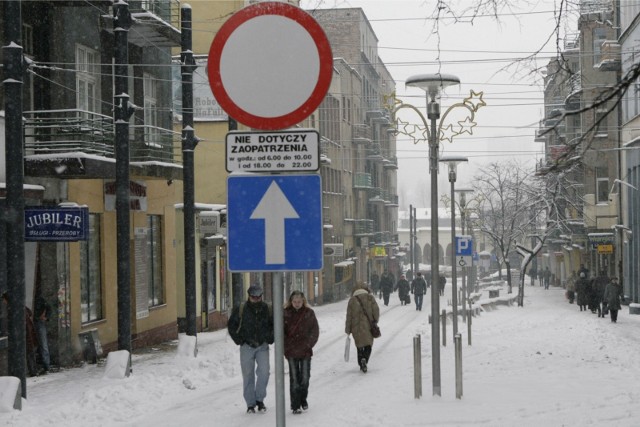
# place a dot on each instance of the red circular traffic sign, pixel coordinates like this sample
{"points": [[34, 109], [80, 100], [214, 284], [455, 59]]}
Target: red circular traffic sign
{"points": [[270, 65]]}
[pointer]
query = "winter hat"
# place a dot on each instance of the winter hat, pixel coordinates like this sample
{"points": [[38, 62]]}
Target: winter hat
{"points": [[582, 274], [255, 290]]}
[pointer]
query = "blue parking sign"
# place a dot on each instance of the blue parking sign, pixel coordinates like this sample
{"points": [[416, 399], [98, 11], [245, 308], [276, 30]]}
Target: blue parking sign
{"points": [[274, 222]]}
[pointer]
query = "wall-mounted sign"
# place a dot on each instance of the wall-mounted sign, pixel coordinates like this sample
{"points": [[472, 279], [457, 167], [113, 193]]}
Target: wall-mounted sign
{"points": [[56, 224], [137, 196], [378, 251]]}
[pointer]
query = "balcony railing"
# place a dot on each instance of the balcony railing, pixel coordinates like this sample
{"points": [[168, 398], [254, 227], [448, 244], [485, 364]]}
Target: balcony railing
{"points": [[68, 131], [374, 151], [390, 163], [363, 227], [157, 23], [64, 132], [361, 134], [158, 144], [362, 180], [376, 195]]}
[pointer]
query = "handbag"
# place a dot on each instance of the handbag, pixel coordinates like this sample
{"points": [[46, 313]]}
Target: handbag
{"points": [[375, 329], [347, 347]]}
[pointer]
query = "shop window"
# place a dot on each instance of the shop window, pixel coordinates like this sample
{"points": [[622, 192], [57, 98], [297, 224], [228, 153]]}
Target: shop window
{"points": [[154, 266], [91, 273]]}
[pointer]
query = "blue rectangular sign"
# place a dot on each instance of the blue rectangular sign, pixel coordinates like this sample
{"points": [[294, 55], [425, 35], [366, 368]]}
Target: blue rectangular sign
{"points": [[56, 224], [274, 222], [464, 246]]}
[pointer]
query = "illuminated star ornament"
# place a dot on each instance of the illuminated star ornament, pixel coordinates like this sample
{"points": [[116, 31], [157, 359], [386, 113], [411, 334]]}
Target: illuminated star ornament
{"points": [[475, 100], [413, 131]]}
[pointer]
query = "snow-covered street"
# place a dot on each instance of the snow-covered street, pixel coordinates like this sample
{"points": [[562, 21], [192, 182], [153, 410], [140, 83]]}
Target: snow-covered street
{"points": [[545, 364]]}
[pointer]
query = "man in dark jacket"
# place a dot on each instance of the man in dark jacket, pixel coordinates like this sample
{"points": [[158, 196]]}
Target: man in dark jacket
{"points": [[418, 289], [599, 285], [386, 286], [251, 327]]}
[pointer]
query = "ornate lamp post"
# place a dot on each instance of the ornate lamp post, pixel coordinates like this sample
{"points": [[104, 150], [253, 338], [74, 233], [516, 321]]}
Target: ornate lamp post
{"points": [[433, 84], [452, 163]]}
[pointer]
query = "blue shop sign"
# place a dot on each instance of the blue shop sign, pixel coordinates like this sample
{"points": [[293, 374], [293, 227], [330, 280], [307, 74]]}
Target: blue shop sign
{"points": [[56, 224]]}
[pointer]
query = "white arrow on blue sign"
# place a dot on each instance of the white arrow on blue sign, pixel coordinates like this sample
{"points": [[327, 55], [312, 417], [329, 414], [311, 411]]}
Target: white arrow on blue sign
{"points": [[274, 223]]}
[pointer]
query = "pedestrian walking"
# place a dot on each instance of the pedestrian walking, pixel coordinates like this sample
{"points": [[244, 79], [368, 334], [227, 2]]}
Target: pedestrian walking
{"points": [[375, 283], [403, 287], [597, 293], [362, 309], [251, 327], [442, 283], [583, 288], [386, 286], [42, 313], [301, 333], [546, 276], [541, 276], [571, 288], [613, 296], [418, 289]]}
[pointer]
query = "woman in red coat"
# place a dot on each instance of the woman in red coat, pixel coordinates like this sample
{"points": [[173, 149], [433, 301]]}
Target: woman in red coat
{"points": [[300, 335]]}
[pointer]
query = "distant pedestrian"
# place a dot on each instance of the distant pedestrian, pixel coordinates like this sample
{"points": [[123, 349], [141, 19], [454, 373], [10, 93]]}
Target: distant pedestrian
{"points": [[362, 306], [403, 287], [375, 283], [613, 296], [386, 286], [418, 289], [300, 335], [251, 327], [442, 283], [532, 275], [597, 293], [42, 313], [583, 288], [541, 276], [547, 277], [571, 288]]}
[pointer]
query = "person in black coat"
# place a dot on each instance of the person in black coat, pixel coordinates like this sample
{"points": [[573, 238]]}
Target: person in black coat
{"points": [[418, 289], [584, 291], [403, 287], [442, 284], [386, 287], [251, 327]]}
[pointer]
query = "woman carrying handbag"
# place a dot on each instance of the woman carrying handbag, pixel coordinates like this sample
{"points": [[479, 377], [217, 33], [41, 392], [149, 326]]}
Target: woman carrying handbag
{"points": [[362, 311]]}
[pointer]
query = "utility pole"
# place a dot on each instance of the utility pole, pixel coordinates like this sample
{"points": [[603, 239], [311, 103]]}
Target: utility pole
{"points": [[411, 246], [13, 221], [189, 142], [123, 110]]}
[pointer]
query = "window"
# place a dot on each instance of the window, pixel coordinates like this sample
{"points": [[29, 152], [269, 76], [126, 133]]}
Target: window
{"points": [[91, 273], [602, 185], [599, 36], [87, 79], [154, 266], [151, 131], [27, 39]]}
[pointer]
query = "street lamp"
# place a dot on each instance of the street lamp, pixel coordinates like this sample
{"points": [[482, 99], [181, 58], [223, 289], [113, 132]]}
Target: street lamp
{"points": [[452, 162], [433, 84], [463, 212]]}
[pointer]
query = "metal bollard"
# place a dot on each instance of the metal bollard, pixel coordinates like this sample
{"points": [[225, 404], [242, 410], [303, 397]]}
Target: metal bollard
{"points": [[458, 349], [469, 322], [417, 367], [443, 319]]}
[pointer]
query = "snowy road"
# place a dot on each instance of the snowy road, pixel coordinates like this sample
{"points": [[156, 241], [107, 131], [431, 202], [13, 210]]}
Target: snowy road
{"points": [[546, 364]]}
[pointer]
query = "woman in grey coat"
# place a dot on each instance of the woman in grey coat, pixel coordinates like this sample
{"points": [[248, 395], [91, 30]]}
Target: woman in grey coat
{"points": [[361, 307], [612, 296]]}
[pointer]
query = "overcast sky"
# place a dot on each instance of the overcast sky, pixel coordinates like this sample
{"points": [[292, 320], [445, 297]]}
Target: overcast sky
{"points": [[484, 55]]}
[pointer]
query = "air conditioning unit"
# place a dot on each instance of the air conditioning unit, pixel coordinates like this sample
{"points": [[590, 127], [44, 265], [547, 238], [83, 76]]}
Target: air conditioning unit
{"points": [[334, 249]]}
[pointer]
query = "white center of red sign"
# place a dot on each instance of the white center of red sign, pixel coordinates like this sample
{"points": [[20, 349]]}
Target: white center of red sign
{"points": [[270, 65]]}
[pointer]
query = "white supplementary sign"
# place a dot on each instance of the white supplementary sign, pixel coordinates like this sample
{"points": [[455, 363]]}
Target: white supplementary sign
{"points": [[295, 150]]}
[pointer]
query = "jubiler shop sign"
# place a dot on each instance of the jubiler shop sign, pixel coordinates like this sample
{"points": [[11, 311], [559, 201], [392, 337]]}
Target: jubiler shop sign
{"points": [[56, 224]]}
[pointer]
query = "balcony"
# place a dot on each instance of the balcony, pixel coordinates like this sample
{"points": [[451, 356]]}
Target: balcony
{"points": [[157, 23], [73, 143], [362, 181], [390, 163], [361, 134], [374, 152], [391, 201], [609, 56], [376, 196], [363, 227]]}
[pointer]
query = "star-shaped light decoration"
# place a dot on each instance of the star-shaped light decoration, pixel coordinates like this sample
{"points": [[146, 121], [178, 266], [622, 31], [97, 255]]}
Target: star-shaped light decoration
{"points": [[390, 101], [475, 100], [466, 126], [413, 131], [447, 133]]}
